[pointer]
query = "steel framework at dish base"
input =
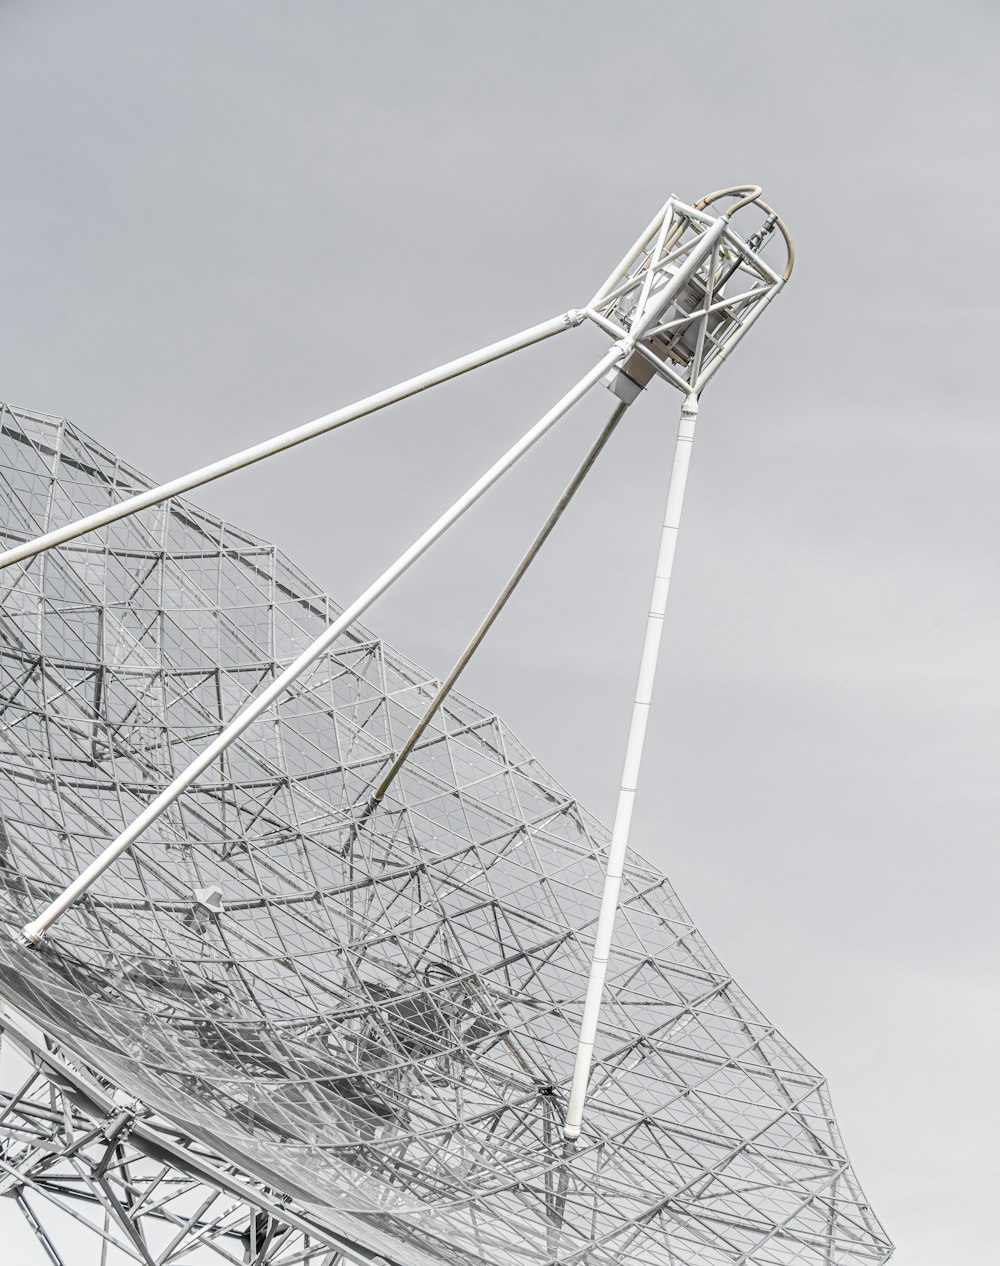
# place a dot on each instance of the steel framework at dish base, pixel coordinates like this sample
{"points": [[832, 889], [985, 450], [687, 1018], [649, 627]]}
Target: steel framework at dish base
{"points": [[377, 1023]]}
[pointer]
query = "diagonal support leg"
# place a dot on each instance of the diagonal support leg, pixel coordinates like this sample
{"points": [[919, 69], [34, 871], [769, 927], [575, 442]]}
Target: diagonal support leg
{"points": [[630, 773], [288, 439], [33, 932], [491, 616]]}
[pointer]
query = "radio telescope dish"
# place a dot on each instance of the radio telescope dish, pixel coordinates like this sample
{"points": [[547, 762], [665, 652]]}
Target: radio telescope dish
{"points": [[296, 1024]]}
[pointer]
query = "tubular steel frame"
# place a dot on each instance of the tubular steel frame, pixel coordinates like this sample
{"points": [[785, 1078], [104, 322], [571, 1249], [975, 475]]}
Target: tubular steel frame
{"points": [[675, 307], [71, 1147]]}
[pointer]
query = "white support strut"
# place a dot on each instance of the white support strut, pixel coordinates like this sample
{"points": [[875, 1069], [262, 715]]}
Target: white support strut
{"points": [[33, 932], [630, 773], [288, 439]]}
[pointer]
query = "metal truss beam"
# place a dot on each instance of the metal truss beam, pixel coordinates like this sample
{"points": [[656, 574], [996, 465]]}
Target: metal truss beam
{"points": [[95, 1179]]}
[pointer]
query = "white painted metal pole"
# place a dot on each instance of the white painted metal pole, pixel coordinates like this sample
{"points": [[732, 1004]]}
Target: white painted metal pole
{"points": [[32, 933], [652, 302], [630, 772], [731, 342], [636, 249], [279, 443]]}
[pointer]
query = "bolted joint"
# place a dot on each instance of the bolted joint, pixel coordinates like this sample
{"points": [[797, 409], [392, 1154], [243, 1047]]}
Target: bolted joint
{"points": [[30, 936], [118, 1125]]}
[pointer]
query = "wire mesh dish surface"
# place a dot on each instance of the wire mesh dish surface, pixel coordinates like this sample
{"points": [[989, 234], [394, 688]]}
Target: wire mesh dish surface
{"points": [[376, 1015]]}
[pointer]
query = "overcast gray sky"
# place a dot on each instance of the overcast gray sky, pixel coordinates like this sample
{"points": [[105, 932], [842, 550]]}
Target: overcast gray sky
{"points": [[218, 220]]}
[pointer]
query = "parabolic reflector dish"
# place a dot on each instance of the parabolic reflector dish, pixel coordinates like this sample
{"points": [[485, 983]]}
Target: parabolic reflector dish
{"points": [[377, 1022]]}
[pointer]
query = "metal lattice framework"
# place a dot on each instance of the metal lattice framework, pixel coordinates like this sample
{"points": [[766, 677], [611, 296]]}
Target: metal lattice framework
{"points": [[99, 1178], [295, 1022]]}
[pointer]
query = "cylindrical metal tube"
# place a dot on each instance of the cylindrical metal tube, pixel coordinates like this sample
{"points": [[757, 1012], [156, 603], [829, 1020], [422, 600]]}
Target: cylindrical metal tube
{"points": [[636, 249], [33, 932], [630, 773], [731, 342], [653, 302], [279, 443], [491, 616]]}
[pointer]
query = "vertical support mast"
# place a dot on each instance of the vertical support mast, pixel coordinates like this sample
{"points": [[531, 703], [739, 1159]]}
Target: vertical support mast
{"points": [[630, 772]]}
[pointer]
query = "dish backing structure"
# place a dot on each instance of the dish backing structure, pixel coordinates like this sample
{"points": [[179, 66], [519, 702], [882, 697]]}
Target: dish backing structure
{"points": [[292, 1025]]}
